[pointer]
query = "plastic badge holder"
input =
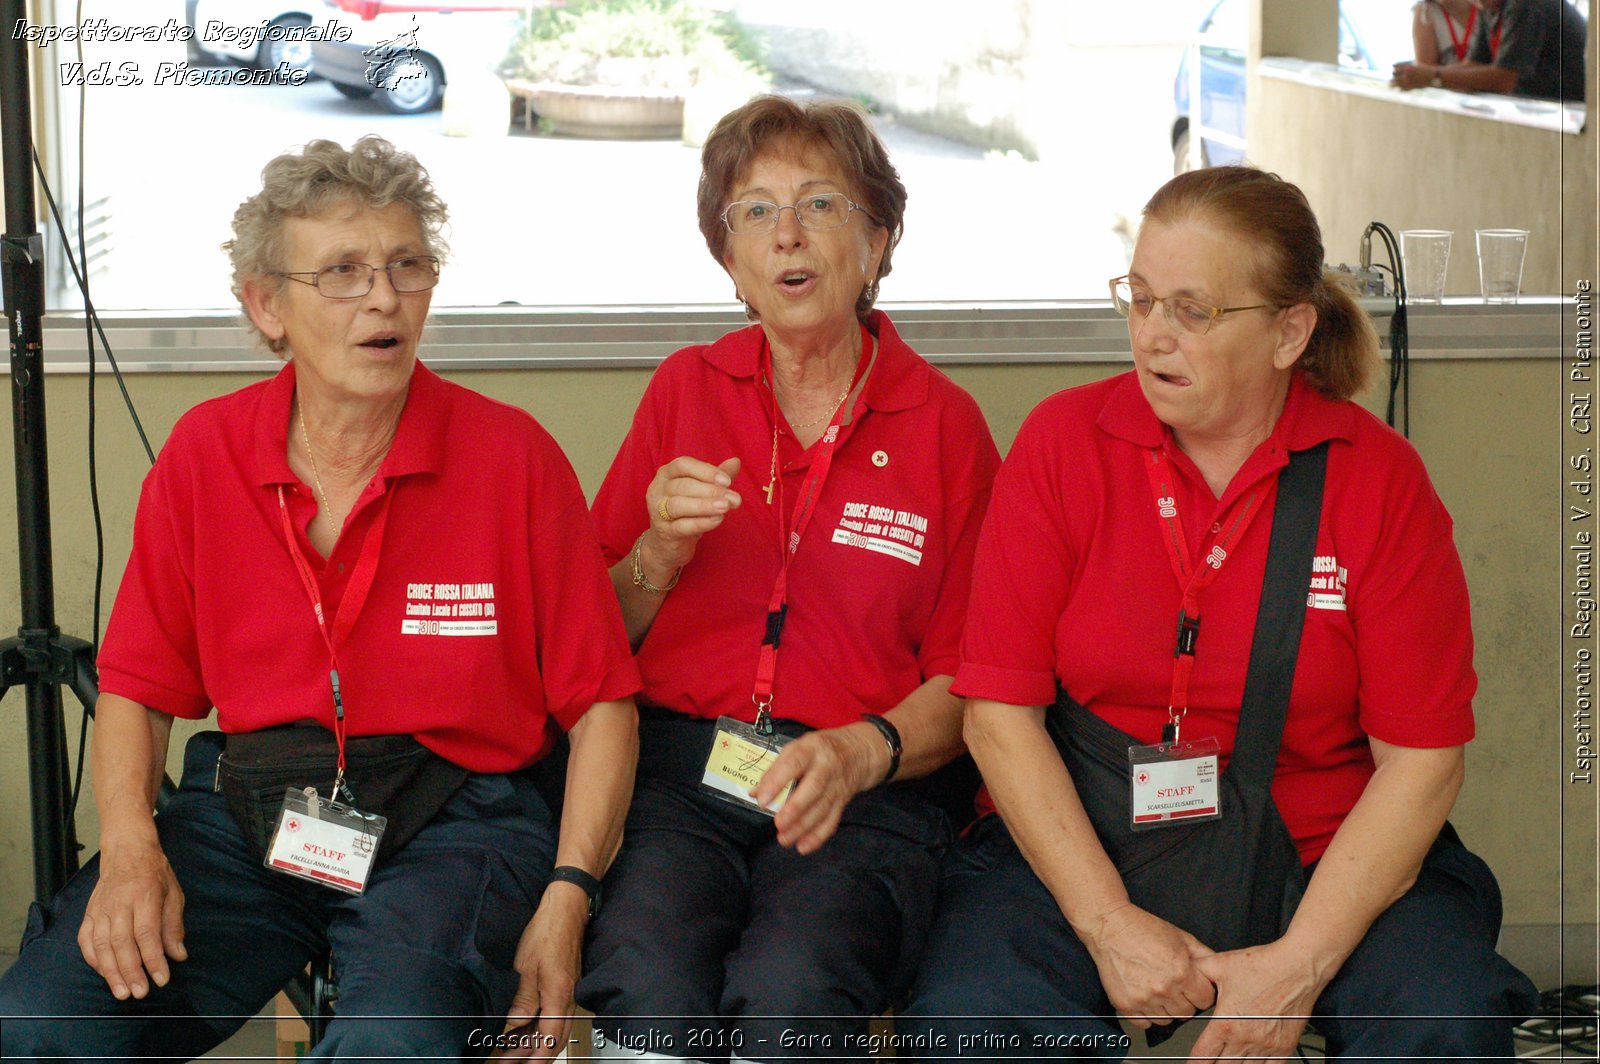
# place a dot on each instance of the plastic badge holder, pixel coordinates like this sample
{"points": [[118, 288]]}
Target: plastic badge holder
{"points": [[325, 842], [740, 756], [1174, 783]]}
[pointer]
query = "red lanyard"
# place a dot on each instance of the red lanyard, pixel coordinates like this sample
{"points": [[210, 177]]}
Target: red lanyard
{"points": [[805, 508], [1191, 579], [355, 597], [1494, 38], [1460, 43]]}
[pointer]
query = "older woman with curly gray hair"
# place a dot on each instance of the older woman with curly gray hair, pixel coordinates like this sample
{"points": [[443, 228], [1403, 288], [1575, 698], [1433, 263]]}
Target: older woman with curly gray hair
{"points": [[392, 631]]}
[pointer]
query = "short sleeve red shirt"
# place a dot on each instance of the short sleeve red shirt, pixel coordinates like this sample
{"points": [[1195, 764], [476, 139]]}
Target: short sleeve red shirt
{"points": [[1073, 585], [878, 590], [489, 617]]}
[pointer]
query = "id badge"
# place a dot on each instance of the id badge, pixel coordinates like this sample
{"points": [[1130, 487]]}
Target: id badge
{"points": [[323, 841], [1174, 782], [739, 757]]}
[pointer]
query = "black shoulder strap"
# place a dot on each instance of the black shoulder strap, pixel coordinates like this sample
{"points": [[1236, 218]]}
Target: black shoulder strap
{"points": [[1280, 618]]}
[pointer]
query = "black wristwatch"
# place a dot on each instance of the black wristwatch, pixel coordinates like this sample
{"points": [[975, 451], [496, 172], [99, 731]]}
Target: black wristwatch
{"points": [[891, 736], [590, 885]]}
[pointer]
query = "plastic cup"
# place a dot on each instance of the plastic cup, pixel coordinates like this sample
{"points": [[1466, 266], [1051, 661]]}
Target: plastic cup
{"points": [[1425, 254], [1500, 255]]}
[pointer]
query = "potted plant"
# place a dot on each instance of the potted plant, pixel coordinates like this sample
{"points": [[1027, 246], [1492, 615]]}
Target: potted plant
{"points": [[621, 68]]}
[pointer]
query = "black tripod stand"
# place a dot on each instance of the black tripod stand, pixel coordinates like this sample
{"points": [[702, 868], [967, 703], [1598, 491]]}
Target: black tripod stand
{"points": [[39, 657]]}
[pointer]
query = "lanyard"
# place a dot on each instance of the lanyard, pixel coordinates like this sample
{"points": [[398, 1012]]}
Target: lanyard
{"points": [[805, 508], [355, 597], [1191, 579], [1494, 38], [1460, 43]]}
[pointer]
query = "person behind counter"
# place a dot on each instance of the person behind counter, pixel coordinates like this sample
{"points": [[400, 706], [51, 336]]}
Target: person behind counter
{"points": [[1441, 31], [790, 523], [291, 547], [1519, 47], [1109, 738]]}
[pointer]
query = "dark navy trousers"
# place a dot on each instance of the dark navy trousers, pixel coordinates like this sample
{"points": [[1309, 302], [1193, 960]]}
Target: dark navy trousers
{"points": [[714, 941], [1004, 975], [423, 958]]}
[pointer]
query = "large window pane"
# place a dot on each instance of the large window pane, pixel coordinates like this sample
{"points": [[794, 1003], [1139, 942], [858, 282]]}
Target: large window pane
{"points": [[1023, 170]]}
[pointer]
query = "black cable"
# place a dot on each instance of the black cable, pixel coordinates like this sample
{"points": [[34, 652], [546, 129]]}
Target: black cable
{"points": [[1399, 329], [94, 315], [1567, 1017], [92, 326], [94, 468]]}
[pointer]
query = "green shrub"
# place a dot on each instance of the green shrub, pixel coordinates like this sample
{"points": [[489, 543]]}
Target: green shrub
{"points": [[656, 44]]}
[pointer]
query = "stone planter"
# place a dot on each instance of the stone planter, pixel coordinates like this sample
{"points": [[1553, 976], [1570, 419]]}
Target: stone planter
{"points": [[598, 111]]}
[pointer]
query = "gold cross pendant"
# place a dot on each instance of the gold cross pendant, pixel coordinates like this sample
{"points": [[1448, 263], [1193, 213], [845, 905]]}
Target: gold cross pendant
{"points": [[768, 489]]}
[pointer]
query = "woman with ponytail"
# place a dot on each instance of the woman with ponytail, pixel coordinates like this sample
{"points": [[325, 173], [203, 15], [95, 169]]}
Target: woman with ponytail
{"points": [[1104, 730]]}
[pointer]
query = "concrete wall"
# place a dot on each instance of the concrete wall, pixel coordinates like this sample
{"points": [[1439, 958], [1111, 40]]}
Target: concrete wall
{"points": [[1361, 159], [1505, 520]]}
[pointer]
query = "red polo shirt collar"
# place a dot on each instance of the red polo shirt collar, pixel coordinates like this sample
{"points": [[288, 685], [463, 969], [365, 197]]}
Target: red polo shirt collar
{"points": [[419, 441], [1308, 419], [899, 380]]}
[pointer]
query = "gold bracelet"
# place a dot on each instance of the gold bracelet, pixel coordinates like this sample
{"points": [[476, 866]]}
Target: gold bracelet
{"points": [[639, 579]]}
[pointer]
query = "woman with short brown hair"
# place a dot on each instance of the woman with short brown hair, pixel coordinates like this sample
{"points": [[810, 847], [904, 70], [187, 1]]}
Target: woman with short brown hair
{"points": [[790, 522]]}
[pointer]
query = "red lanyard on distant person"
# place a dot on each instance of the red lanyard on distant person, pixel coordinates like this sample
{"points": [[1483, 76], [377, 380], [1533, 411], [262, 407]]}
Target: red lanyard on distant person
{"points": [[1494, 37], [804, 509], [1191, 580], [1461, 43], [355, 597]]}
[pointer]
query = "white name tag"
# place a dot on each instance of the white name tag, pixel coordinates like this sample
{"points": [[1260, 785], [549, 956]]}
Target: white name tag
{"points": [[324, 842], [1173, 782]]}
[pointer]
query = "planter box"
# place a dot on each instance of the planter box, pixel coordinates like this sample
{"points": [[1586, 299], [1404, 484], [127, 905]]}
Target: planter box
{"points": [[594, 111]]}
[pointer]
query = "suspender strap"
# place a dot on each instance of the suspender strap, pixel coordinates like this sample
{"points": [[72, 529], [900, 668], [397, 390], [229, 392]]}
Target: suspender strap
{"points": [[1280, 618]]}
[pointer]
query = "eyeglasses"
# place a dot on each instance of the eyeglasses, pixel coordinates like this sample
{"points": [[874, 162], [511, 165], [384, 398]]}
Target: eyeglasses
{"points": [[351, 280], [1190, 315], [825, 210]]}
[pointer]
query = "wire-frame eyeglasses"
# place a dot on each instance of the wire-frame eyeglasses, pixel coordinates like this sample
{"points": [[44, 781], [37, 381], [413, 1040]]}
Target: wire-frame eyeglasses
{"points": [[351, 280]]}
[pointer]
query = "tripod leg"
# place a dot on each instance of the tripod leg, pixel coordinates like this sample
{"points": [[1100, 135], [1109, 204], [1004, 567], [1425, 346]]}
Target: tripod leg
{"points": [[55, 850]]}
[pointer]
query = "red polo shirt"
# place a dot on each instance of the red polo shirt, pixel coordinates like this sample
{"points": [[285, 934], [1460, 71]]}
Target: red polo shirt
{"points": [[1073, 584], [878, 590], [489, 613]]}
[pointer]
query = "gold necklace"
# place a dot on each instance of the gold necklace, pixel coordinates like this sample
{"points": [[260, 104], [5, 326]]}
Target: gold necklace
{"points": [[316, 476], [826, 414], [772, 474]]}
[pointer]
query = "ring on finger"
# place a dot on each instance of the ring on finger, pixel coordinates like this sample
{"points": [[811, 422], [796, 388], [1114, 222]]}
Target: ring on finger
{"points": [[661, 508]]}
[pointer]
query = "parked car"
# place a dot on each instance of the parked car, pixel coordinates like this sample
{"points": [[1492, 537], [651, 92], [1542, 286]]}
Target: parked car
{"points": [[401, 53], [1220, 44], [260, 33]]}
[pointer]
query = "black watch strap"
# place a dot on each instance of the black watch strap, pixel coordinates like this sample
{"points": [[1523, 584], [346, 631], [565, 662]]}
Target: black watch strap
{"points": [[891, 736], [576, 875]]}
